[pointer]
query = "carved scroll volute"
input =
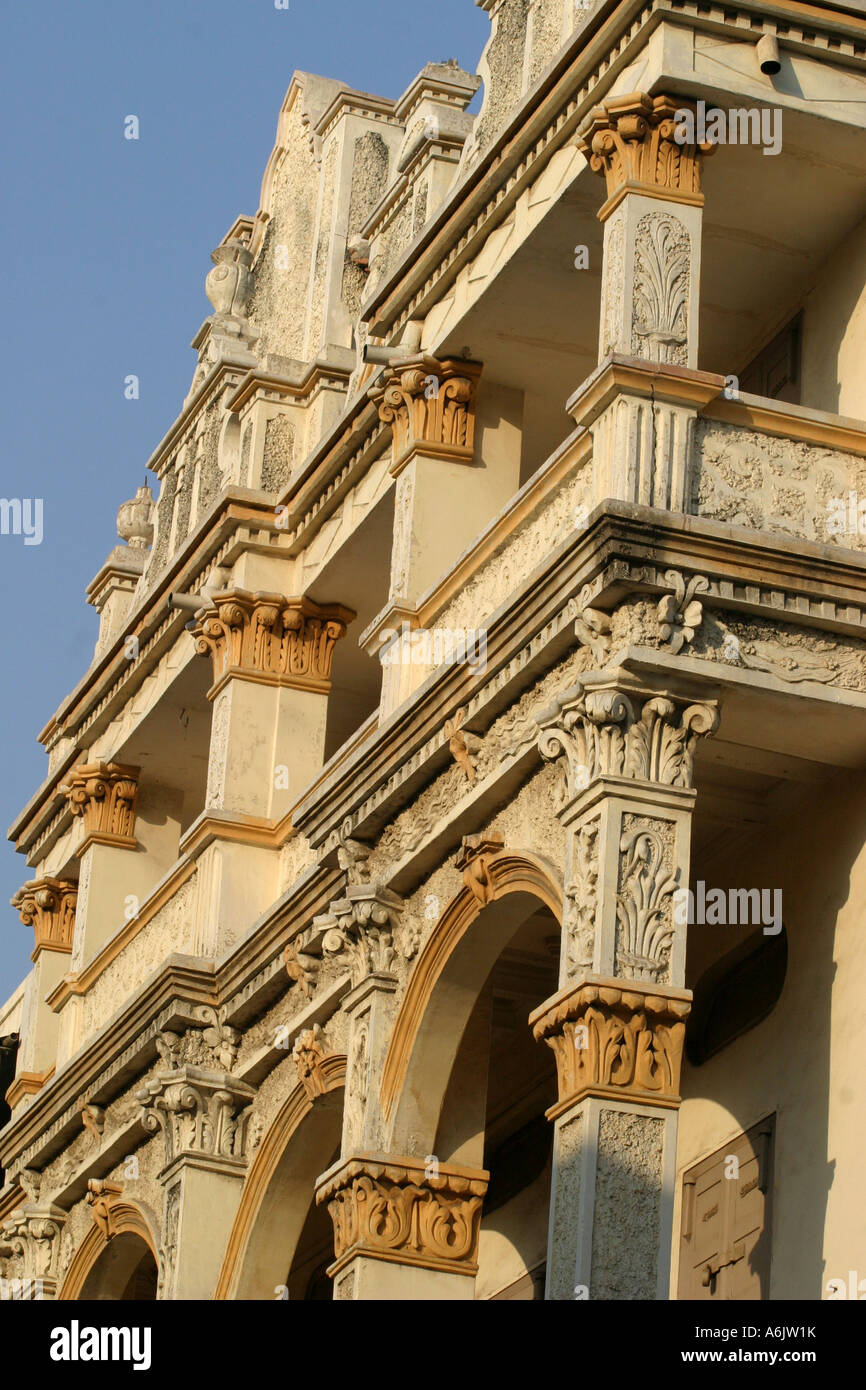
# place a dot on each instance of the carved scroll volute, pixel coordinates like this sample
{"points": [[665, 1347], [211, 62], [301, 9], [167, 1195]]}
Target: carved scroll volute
{"points": [[632, 140], [48, 906], [270, 638], [103, 795], [430, 406]]}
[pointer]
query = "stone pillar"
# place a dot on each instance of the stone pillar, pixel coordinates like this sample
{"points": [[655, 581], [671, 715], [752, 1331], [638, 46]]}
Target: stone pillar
{"points": [[272, 659], [456, 462], [203, 1118], [617, 1022], [651, 275], [404, 1229], [48, 906], [103, 796], [362, 926]]}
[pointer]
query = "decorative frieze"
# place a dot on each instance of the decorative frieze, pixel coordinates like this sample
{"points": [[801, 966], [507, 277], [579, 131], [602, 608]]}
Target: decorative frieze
{"points": [[631, 140], [606, 732], [48, 906], [430, 406], [614, 1040], [402, 1210], [200, 1113], [103, 795], [268, 638]]}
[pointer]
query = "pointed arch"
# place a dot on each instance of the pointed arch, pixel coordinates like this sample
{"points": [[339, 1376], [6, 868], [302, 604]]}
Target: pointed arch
{"points": [[415, 1065], [279, 1192]]}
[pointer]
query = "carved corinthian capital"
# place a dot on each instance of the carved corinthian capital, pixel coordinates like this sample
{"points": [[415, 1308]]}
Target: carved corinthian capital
{"points": [[631, 141], [614, 1040], [390, 1208], [48, 906], [363, 925], [104, 796], [430, 406], [270, 638], [200, 1113], [31, 1237], [607, 733]]}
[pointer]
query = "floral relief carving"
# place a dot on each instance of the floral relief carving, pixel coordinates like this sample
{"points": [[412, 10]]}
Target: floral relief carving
{"points": [[661, 289], [767, 483], [581, 901], [680, 613], [644, 900]]}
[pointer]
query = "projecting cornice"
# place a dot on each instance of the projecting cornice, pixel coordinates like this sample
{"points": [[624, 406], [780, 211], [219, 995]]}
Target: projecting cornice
{"points": [[603, 45]]}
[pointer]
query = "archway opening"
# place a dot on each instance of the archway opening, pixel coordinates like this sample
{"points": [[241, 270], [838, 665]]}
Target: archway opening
{"points": [[308, 1279], [125, 1272], [493, 1113]]}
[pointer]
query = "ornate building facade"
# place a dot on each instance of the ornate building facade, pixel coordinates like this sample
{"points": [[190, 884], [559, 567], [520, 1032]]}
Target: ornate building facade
{"points": [[448, 874]]}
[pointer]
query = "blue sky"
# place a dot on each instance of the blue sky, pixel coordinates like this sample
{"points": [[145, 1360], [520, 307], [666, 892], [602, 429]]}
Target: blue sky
{"points": [[105, 246]]}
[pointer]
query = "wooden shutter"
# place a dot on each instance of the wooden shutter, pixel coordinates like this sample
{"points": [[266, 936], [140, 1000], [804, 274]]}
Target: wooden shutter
{"points": [[725, 1232]]}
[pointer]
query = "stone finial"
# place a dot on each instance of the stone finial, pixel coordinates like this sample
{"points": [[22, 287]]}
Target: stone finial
{"points": [[134, 519], [229, 286], [48, 906]]}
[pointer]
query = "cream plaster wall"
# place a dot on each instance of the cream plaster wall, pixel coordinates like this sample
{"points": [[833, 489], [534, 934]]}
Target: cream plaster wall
{"points": [[834, 331], [805, 1061]]}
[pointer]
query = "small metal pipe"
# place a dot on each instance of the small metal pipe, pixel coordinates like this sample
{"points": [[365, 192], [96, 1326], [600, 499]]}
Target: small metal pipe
{"points": [[189, 603], [768, 55]]}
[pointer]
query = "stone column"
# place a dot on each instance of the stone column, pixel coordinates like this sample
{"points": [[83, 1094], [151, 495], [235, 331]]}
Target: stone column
{"points": [[202, 1114], [642, 424], [617, 1022], [456, 462], [272, 659], [362, 927], [103, 796], [404, 1229], [48, 906]]}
